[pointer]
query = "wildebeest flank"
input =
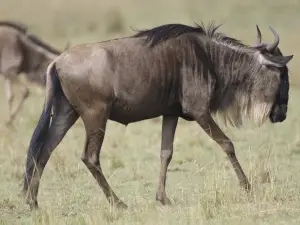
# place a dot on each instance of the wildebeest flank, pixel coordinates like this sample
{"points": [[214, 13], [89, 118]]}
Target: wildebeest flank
{"points": [[21, 52], [172, 70]]}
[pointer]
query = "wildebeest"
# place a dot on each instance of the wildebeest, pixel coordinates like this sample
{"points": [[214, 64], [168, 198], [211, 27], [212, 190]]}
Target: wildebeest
{"points": [[21, 52], [173, 70]]}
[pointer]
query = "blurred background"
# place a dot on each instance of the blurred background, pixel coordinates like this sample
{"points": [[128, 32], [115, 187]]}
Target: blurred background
{"points": [[56, 21]]}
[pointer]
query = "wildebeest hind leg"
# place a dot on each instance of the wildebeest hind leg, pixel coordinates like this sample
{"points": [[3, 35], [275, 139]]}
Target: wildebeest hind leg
{"points": [[64, 116], [213, 130], [168, 131], [95, 124]]}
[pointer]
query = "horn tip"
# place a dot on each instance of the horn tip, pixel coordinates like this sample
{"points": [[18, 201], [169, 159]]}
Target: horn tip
{"points": [[257, 28], [270, 27]]}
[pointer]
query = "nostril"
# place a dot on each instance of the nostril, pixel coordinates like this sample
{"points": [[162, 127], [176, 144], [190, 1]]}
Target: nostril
{"points": [[273, 119]]}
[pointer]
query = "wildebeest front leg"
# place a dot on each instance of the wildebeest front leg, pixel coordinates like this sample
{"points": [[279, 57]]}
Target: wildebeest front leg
{"points": [[213, 130], [95, 125], [9, 96], [24, 96], [168, 131]]}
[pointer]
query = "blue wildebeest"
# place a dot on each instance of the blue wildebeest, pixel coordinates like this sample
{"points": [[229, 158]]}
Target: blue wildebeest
{"points": [[21, 52], [172, 70]]}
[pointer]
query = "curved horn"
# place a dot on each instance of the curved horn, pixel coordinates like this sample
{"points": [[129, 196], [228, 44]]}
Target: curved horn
{"points": [[272, 46], [258, 40]]}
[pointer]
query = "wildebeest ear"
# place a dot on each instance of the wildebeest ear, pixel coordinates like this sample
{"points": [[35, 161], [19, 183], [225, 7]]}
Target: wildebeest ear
{"points": [[278, 61]]}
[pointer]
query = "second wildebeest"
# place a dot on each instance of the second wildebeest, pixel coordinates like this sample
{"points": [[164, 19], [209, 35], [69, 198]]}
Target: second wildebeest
{"points": [[173, 70], [21, 52]]}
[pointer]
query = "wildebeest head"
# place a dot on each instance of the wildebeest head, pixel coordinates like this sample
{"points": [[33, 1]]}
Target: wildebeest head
{"points": [[38, 57], [274, 64]]}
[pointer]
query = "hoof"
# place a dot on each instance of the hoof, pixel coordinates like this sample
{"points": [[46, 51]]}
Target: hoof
{"points": [[246, 186], [163, 200], [121, 205], [33, 205]]}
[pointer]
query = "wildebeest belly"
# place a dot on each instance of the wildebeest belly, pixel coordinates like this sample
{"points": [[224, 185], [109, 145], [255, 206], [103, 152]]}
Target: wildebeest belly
{"points": [[126, 112]]}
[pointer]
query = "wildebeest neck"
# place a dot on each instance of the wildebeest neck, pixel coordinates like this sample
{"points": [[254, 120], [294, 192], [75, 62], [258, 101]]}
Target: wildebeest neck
{"points": [[37, 56], [231, 63]]}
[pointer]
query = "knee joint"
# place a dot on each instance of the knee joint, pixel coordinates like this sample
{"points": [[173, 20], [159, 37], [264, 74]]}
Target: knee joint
{"points": [[166, 154], [10, 99], [228, 148], [26, 93], [90, 160]]}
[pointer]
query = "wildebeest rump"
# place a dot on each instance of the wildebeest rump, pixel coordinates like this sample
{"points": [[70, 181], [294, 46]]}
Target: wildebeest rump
{"points": [[21, 52], [172, 70]]}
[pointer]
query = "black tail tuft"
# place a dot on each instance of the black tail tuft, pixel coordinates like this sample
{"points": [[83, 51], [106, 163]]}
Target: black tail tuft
{"points": [[40, 133]]}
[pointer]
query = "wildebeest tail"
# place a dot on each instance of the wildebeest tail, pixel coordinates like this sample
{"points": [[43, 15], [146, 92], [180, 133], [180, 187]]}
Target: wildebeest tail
{"points": [[53, 88]]}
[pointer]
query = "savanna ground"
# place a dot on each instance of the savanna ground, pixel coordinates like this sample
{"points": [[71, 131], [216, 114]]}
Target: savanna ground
{"points": [[201, 182]]}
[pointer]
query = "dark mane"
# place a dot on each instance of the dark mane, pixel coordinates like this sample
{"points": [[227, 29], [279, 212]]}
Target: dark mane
{"points": [[49, 48], [18, 26], [229, 40], [162, 33], [211, 31], [167, 31]]}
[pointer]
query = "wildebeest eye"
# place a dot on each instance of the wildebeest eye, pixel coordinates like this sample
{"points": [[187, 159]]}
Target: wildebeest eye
{"points": [[272, 67]]}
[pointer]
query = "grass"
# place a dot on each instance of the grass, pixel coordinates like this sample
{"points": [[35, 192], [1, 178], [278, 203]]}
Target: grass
{"points": [[201, 182]]}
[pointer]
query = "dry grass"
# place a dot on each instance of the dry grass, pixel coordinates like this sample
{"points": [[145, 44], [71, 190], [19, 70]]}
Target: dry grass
{"points": [[201, 182]]}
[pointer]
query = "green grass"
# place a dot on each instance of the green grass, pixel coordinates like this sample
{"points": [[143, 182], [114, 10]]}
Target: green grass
{"points": [[201, 182]]}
